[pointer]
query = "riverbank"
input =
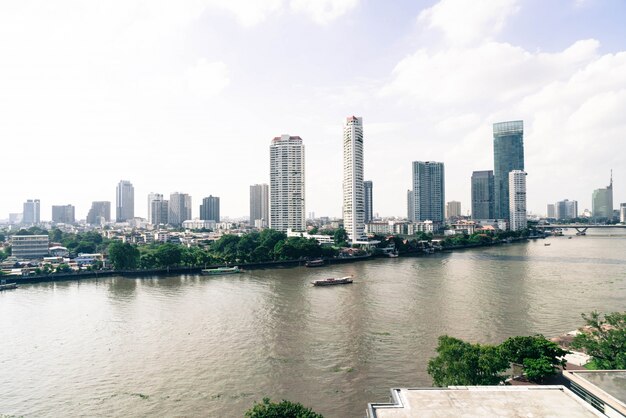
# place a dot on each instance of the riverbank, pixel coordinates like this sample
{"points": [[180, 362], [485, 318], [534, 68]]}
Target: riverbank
{"points": [[94, 274]]}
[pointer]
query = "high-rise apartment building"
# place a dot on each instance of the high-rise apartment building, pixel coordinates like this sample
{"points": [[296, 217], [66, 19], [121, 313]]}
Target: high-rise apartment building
{"points": [[63, 214], [124, 201], [482, 195], [602, 201], [99, 213], [622, 213], [287, 210], [31, 214], [368, 188], [453, 209], [259, 205], [179, 209], [517, 200], [508, 155], [566, 209], [551, 211], [428, 191], [153, 197], [353, 193], [410, 205], [210, 209]]}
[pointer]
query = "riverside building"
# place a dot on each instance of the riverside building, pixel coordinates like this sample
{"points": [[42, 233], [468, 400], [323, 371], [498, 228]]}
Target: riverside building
{"points": [[353, 189], [508, 155], [287, 210], [259, 205], [210, 209], [517, 200], [602, 202], [179, 209], [428, 191], [482, 195], [368, 189]]}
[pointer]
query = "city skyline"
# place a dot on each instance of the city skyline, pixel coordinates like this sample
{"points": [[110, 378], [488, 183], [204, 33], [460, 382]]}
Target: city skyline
{"points": [[209, 66]]}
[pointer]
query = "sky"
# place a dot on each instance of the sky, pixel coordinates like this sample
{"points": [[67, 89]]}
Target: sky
{"points": [[186, 96]]}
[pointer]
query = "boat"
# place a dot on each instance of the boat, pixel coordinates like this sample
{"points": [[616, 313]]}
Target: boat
{"points": [[392, 255], [8, 286], [221, 270], [581, 233], [315, 263], [546, 244], [332, 280]]}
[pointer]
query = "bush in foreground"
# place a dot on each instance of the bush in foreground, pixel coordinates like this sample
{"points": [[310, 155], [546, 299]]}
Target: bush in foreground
{"points": [[283, 409]]}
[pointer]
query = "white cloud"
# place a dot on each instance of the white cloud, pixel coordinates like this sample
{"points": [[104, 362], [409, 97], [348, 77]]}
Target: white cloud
{"points": [[464, 22], [323, 11], [207, 79]]}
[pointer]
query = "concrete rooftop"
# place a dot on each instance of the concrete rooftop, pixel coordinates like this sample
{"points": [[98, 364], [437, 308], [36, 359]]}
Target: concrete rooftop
{"points": [[484, 401]]}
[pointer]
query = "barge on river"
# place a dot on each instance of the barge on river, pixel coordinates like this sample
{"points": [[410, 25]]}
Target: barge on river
{"points": [[332, 281]]}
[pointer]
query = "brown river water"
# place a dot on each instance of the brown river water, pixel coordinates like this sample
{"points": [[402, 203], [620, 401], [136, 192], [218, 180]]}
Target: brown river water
{"points": [[189, 345]]}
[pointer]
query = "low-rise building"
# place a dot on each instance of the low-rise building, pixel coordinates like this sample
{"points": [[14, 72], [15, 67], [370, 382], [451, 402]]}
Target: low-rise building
{"points": [[29, 247]]}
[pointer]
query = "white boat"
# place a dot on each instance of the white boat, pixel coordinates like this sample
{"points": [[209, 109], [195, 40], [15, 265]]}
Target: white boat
{"points": [[332, 281], [221, 270]]}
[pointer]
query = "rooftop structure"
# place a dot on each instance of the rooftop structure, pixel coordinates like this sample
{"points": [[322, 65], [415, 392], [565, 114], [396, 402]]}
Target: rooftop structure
{"points": [[483, 401], [605, 390]]}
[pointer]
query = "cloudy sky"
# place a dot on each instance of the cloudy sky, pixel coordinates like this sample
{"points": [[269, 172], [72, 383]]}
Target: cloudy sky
{"points": [[186, 96]]}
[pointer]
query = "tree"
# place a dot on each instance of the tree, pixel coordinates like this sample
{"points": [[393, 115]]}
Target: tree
{"points": [[124, 256], [340, 236], [539, 356], [168, 255], [606, 341], [63, 268], [283, 409], [464, 364]]}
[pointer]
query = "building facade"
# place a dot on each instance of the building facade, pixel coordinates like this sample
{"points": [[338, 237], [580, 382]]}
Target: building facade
{"points": [[453, 209], [179, 208], [428, 191], [29, 247], [259, 205], [63, 214], [99, 213], [368, 188], [508, 155], [483, 195], [551, 211], [517, 200], [124, 201], [159, 211], [410, 205], [622, 213], [353, 190], [602, 202], [287, 193], [210, 209], [31, 214], [566, 210], [152, 197]]}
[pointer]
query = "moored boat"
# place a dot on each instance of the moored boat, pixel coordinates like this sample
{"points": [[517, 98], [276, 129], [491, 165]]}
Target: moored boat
{"points": [[8, 286], [392, 255], [332, 281], [221, 270], [315, 263]]}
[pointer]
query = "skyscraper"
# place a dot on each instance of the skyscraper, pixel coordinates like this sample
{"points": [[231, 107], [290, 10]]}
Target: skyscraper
{"points": [[159, 211], [428, 191], [353, 193], [482, 195], [453, 209], [410, 205], [368, 188], [517, 200], [551, 210], [210, 209], [179, 208], [287, 209], [31, 212], [622, 212], [63, 214], [259, 205], [508, 155], [124, 201], [601, 201], [566, 209], [99, 213]]}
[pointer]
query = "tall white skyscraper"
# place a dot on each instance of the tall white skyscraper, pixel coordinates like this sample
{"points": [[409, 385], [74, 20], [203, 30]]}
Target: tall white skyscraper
{"points": [[287, 184], [32, 212], [124, 201], [259, 205], [517, 200], [353, 192]]}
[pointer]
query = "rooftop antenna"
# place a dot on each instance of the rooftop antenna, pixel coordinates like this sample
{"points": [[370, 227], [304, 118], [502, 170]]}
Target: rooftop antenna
{"points": [[611, 183]]}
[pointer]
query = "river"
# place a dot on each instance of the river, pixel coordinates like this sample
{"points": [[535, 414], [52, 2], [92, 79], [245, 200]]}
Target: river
{"points": [[189, 345]]}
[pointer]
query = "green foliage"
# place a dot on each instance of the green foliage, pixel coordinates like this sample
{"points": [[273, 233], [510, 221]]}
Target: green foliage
{"points": [[168, 255], [283, 409], [124, 256], [2, 237], [464, 364], [63, 268], [539, 356], [340, 236], [606, 342]]}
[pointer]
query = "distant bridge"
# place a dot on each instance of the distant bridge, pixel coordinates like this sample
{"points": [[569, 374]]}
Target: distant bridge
{"points": [[579, 227]]}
